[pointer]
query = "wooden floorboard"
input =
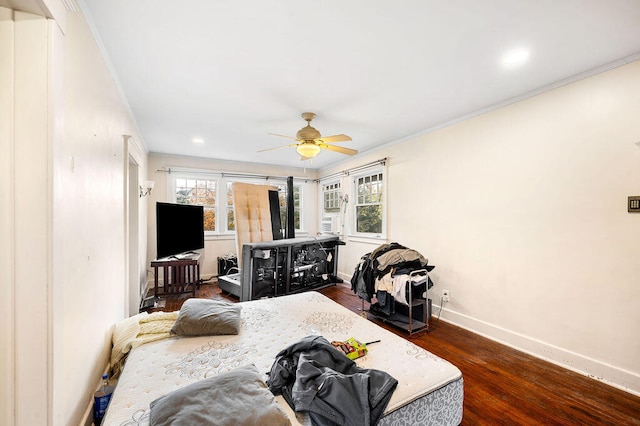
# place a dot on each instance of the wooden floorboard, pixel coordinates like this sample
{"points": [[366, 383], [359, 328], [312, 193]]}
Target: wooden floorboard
{"points": [[502, 386]]}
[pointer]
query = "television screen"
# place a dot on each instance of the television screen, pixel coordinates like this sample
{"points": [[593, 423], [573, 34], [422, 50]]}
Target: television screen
{"points": [[179, 228]]}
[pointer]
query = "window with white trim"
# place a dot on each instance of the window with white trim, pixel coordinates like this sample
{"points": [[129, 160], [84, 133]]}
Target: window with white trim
{"points": [[201, 192], [331, 197], [231, 223], [216, 195], [297, 202], [369, 203]]}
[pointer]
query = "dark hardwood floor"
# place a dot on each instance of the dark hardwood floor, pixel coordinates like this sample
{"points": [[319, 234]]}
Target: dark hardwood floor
{"points": [[502, 386]]}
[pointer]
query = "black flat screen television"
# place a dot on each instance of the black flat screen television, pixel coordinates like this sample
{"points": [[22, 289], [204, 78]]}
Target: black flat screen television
{"points": [[179, 228]]}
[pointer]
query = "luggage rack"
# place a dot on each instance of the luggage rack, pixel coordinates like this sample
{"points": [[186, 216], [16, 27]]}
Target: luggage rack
{"points": [[407, 322]]}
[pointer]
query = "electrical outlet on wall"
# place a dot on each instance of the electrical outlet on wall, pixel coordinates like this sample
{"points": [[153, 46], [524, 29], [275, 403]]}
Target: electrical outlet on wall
{"points": [[445, 295]]}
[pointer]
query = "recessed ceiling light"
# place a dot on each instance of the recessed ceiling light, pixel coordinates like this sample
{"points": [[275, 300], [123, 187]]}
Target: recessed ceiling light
{"points": [[197, 140], [515, 57]]}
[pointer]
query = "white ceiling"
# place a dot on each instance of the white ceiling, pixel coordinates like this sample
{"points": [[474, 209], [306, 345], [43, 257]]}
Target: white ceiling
{"points": [[231, 71]]}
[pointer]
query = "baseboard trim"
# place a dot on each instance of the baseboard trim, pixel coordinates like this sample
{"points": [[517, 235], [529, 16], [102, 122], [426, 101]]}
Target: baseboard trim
{"points": [[625, 380], [346, 278]]}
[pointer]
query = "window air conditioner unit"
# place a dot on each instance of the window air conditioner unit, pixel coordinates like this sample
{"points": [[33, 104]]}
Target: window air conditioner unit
{"points": [[329, 225]]}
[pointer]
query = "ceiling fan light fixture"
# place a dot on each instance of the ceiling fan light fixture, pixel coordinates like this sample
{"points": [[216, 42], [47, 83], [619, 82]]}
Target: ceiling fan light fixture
{"points": [[308, 133], [308, 150], [310, 142]]}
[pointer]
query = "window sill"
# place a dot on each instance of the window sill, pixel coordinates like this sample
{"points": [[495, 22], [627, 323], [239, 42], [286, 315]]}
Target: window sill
{"points": [[377, 240], [219, 237]]}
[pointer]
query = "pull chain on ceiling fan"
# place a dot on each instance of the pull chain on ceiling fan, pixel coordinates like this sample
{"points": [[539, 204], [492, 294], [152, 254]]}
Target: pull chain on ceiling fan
{"points": [[310, 142]]}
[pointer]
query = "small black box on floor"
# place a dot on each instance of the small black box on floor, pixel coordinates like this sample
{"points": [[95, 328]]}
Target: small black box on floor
{"points": [[226, 263], [147, 303]]}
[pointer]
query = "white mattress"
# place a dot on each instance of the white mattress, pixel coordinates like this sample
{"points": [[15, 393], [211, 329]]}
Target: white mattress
{"points": [[268, 326]]}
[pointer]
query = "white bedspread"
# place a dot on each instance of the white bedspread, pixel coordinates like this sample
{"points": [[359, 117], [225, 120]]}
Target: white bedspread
{"points": [[268, 326]]}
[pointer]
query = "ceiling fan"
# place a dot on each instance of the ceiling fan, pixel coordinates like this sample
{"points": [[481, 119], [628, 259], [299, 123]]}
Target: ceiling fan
{"points": [[310, 142]]}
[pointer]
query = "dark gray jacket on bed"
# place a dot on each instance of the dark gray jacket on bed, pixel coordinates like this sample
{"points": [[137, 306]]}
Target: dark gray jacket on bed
{"points": [[315, 377]]}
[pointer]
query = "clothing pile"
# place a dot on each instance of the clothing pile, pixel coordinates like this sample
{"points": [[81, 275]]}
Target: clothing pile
{"points": [[316, 378], [390, 273]]}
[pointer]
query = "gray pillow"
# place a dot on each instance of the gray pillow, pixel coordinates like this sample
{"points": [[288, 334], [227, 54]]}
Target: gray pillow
{"points": [[203, 317], [238, 397]]}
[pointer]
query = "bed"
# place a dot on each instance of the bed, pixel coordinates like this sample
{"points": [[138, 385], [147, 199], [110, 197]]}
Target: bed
{"points": [[429, 391]]}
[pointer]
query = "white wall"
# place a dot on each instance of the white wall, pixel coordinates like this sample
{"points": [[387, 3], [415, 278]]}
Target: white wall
{"points": [[63, 218], [218, 246], [523, 212], [93, 172]]}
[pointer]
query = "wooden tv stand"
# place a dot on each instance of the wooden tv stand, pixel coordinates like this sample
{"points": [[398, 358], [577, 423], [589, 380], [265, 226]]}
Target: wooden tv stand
{"points": [[180, 274]]}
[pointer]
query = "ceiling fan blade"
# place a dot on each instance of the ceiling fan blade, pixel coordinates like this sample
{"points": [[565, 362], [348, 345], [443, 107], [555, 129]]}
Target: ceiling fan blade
{"points": [[283, 136], [335, 138], [277, 147], [339, 149]]}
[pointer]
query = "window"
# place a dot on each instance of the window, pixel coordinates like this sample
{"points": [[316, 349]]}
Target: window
{"points": [[215, 194], [200, 192], [231, 223], [297, 202], [368, 205], [331, 197]]}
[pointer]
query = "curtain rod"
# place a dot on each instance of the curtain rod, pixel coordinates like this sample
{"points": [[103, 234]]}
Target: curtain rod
{"points": [[347, 172], [169, 170]]}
